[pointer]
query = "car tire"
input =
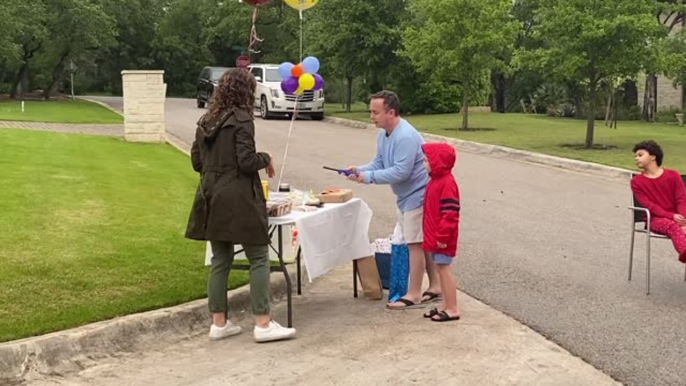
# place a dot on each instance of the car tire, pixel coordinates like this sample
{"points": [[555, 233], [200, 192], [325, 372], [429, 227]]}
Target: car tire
{"points": [[317, 116], [264, 108], [200, 103]]}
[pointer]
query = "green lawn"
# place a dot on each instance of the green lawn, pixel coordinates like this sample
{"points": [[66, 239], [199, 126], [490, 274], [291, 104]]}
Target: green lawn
{"points": [[78, 111], [92, 228], [547, 135]]}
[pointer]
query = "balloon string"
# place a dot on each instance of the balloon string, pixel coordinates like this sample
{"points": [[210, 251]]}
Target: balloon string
{"points": [[254, 39], [288, 140]]}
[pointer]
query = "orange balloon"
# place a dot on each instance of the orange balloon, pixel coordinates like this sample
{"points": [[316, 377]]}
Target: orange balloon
{"points": [[297, 70]]}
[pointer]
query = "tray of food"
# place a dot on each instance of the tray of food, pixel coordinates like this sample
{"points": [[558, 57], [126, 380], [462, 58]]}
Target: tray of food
{"points": [[279, 207]]}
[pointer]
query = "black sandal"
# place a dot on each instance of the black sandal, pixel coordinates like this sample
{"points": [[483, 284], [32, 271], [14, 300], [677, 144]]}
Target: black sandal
{"points": [[431, 297], [444, 317], [408, 304], [431, 313]]}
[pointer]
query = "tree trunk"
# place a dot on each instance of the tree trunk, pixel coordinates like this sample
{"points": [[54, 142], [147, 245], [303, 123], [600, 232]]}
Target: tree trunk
{"points": [[590, 119], [349, 95], [650, 98], [499, 85], [465, 107], [608, 110], [20, 82], [57, 75]]}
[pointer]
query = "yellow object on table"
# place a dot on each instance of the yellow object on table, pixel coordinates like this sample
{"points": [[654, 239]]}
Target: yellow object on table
{"points": [[265, 189]]}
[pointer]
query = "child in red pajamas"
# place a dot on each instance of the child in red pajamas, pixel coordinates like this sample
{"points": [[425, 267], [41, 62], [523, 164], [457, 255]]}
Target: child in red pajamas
{"points": [[441, 222], [662, 192]]}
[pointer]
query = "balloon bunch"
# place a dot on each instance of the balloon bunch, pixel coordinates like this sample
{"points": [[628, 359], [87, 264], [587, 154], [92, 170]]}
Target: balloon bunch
{"points": [[296, 79]]}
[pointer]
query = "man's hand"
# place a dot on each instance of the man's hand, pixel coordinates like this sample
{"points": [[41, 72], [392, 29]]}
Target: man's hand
{"points": [[441, 245], [359, 178], [681, 220]]}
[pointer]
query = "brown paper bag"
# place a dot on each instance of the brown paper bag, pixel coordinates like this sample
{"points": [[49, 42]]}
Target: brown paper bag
{"points": [[369, 278]]}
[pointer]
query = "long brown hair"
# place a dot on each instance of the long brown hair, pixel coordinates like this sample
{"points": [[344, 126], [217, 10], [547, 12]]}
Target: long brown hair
{"points": [[236, 90]]}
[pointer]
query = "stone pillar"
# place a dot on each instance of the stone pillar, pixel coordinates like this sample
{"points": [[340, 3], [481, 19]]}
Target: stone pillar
{"points": [[144, 95]]}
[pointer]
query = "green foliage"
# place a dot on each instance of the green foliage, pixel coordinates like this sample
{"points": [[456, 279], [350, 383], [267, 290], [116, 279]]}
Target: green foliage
{"points": [[458, 50], [589, 42]]}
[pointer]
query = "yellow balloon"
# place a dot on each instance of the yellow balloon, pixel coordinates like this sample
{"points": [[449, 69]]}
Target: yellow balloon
{"points": [[301, 5], [299, 91], [306, 81]]}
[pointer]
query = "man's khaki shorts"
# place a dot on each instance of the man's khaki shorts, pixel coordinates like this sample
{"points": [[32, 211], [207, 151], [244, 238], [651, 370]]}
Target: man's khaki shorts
{"points": [[411, 225]]}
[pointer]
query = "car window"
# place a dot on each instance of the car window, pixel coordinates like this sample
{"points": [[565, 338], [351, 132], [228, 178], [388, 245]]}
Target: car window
{"points": [[273, 75], [217, 73], [257, 72]]}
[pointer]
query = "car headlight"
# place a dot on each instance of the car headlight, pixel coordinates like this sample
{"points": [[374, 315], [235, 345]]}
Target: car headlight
{"points": [[275, 93], [320, 94]]}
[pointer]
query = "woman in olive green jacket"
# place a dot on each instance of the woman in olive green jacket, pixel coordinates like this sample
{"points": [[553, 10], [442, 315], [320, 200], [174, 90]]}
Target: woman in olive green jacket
{"points": [[229, 206]]}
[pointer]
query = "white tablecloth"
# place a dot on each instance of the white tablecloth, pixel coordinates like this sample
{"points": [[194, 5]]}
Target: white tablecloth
{"points": [[330, 236]]}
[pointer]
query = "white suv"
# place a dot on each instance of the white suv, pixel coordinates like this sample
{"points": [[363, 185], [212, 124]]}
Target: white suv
{"points": [[272, 100]]}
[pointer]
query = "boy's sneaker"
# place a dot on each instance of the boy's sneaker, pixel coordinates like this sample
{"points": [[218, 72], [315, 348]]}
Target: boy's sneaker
{"points": [[274, 332], [228, 330]]}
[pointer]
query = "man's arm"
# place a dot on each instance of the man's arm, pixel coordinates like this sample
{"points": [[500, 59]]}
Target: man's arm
{"points": [[401, 169], [642, 196], [374, 164]]}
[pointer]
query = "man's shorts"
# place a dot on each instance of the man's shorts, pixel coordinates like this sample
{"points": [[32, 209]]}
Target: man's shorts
{"points": [[411, 225]]}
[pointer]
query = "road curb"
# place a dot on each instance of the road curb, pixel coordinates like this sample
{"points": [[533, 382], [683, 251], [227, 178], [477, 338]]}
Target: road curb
{"points": [[105, 105], [73, 350], [510, 153], [349, 123]]}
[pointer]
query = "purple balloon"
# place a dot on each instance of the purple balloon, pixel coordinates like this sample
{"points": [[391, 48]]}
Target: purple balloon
{"points": [[289, 85], [318, 82]]}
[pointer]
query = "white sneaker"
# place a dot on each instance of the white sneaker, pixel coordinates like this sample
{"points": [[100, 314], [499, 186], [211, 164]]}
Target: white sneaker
{"points": [[228, 330], [274, 332]]}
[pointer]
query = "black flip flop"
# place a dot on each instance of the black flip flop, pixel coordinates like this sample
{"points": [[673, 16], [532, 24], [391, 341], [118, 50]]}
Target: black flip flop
{"points": [[432, 297], [409, 304], [444, 317], [431, 313]]}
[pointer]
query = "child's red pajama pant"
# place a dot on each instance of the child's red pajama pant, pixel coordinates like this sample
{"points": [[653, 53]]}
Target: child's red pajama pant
{"points": [[671, 229]]}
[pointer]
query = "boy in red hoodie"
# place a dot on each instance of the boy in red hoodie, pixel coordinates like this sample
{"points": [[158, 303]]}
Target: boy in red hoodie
{"points": [[662, 192], [441, 222]]}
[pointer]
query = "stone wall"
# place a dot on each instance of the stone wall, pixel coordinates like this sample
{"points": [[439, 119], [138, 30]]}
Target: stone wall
{"points": [[144, 95]]}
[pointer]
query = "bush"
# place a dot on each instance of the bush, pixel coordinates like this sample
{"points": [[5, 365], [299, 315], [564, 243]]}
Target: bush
{"points": [[667, 116]]}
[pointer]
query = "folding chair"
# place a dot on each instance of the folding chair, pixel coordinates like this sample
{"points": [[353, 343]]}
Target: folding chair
{"points": [[640, 215]]}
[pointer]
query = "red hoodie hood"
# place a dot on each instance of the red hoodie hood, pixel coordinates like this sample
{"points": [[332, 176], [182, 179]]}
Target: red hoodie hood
{"points": [[441, 157]]}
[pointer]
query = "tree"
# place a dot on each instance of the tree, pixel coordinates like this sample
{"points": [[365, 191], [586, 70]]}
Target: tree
{"points": [[135, 24], [669, 13], [77, 28], [23, 38], [356, 38], [591, 42], [459, 49]]}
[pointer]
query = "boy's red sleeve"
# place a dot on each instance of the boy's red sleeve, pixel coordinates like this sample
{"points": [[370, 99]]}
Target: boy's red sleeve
{"points": [[655, 209], [450, 213]]}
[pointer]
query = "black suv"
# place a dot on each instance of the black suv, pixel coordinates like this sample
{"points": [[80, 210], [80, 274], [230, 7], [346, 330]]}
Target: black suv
{"points": [[207, 81]]}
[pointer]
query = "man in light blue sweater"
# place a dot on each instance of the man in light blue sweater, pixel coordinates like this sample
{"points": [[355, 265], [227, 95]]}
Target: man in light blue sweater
{"points": [[399, 163]]}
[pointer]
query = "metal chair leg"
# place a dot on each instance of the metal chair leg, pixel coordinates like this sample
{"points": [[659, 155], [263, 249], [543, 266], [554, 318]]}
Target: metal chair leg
{"points": [[648, 262], [631, 254]]}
